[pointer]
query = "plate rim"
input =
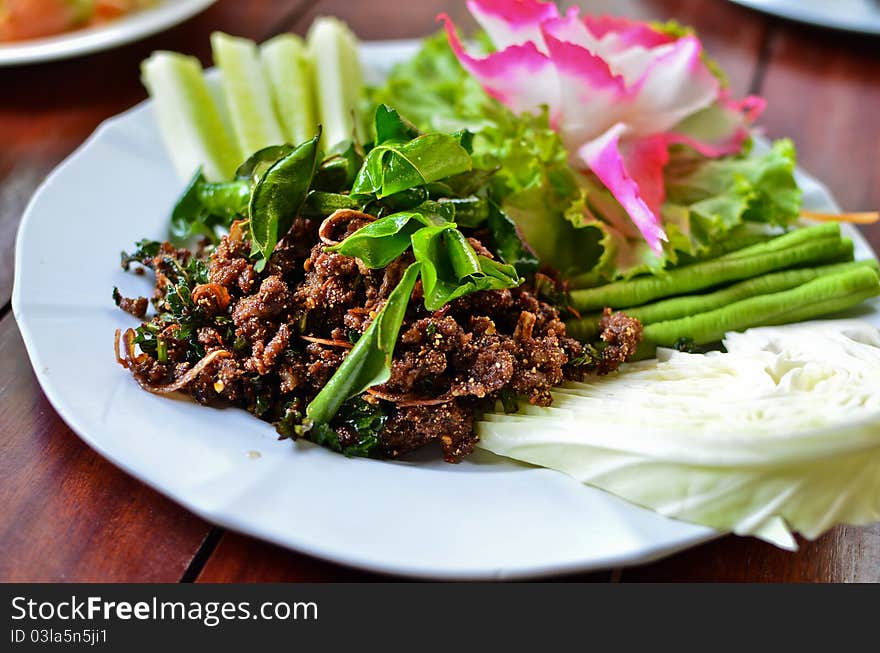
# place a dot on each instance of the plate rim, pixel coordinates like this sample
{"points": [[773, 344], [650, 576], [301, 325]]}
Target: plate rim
{"points": [[88, 40], [351, 557], [807, 17]]}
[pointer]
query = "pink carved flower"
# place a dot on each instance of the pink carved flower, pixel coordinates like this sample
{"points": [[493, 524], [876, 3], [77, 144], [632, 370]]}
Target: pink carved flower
{"points": [[619, 92]]}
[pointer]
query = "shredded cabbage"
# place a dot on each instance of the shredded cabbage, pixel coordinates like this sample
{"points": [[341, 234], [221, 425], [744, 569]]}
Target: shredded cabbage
{"points": [[781, 434]]}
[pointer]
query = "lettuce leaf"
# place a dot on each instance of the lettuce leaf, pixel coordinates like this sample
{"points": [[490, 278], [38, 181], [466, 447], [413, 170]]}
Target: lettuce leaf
{"points": [[568, 218], [730, 197], [793, 446], [533, 183]]}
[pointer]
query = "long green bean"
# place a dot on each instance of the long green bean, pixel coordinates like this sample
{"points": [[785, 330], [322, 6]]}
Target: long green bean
{"points": [[822, 296], [587, 327], [709, 274], [786, 240]]}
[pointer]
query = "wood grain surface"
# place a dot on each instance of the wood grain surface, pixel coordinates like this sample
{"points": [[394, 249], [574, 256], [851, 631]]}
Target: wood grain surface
{"points": [[70, 515], [47, 110]]}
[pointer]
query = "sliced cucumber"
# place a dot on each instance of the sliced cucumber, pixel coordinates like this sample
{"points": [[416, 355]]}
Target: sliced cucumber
{"points": [[338, 79], [288, 69], [247, 93], [189, 121]]}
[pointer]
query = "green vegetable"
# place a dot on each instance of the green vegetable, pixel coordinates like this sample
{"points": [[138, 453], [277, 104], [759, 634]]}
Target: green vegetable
{"points": [[411, 199], [338, 170], [288, 68], [521, 157], [260, 161], [470, 212], [622, 294], [320, 205], [390, 167], [403, 160], [144, 252], [587, 327], [706, 200], [780, 435], [278, 196], [205, 206], [176, 305], [391, 127], [191, 124], [452, 269], [246, 92], [382, 241], [358, 417], [825, 295], [790, 239], [507, 242], [338, 79], [369, 361]]}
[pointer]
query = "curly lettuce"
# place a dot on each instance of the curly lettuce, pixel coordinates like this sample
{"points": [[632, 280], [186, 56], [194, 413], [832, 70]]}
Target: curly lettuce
{"points": [[567, 217], [727, 199], [533, 182]]}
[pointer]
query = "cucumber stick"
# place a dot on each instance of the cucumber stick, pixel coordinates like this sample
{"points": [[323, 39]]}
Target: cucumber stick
{"points": [[246, 92], [288, 69], [338, 79], [189, 121]]}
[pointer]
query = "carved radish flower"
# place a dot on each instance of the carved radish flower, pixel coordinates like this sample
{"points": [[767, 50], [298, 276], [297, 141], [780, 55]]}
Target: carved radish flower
{"points": [[619, 93]]}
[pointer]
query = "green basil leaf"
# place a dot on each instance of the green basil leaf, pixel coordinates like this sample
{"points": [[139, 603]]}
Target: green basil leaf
{"points": [[435, 213], [465, 139], [466, 183], [260, 161], [405, 200], [320, 204], [392, 127], [439, 280], [369, 177], [461, 254], [367, 420], [369, 361], [439, 189], [501, 271], [225, 199], [188, 211], [205, 206], [392, 168], [452, 269], [436, 156], [468, 212], [339, 168], [382, 241], [278, 196], [398, 172], [508, 243]]}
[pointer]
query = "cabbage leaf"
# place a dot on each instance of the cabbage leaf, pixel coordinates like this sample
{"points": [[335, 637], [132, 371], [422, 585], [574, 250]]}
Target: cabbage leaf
{"points": [[780, 435]]}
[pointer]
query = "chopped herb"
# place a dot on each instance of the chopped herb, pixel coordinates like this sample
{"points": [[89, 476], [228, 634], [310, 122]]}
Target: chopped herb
{"points": [[145, 251], [509, 400]]}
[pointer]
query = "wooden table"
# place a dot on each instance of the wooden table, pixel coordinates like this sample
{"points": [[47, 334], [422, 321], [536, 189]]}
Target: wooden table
{"points": [[68, 515]]}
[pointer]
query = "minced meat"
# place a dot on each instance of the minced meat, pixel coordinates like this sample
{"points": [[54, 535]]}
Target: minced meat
{"points": [[288, 328]]}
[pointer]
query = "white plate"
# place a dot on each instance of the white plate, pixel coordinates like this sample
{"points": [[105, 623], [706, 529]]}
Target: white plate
{"points": [[850, 15], [484, 518], [130, 27]]}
